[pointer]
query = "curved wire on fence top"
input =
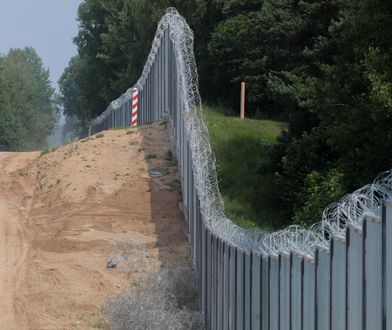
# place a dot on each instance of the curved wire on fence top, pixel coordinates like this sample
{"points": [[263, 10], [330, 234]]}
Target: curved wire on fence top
{"points": [[351, 209]]}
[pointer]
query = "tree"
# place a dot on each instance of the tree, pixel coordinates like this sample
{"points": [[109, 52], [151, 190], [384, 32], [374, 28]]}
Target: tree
{"points": [[350, 99], [28, 102]]}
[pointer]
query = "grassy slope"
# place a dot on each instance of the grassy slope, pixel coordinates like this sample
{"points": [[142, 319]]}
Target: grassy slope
{"points": [[240, 147]]}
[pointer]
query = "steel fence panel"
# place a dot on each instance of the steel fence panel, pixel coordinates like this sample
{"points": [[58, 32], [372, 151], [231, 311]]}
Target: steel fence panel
{"points": [[387, 262], [232, 287], [274, 293], [296, 291], [214, 289], [199, 233], [219, 279], [256, 285], [265, 287], [240, 299], [284, 292], [207, 316], [372, 272], [323, 281], [247, 290], [354, 278], [226, 285], [338, 283], [309, 294], [204, 271]]}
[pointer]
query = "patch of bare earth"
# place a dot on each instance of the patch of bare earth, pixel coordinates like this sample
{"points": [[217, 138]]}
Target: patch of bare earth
{"points": [[63, 213]]}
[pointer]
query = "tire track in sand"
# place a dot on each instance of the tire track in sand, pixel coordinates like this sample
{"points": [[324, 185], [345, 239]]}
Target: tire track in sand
{"points": [[13, 245]]}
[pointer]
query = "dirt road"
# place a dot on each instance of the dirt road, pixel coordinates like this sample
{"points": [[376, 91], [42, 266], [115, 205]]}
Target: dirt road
{"points": [[63, 213]]}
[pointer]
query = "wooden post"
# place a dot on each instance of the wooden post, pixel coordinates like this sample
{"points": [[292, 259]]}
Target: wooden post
{"points": [[242, 115]]}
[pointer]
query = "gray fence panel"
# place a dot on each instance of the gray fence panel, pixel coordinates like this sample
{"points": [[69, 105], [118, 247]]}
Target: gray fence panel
{"points": [[323, 289], [199, 242], [256, 284], [296, 291], [220, 280], [338, 283], [207, 316], [274, 293], [194, 216], [204, 270], [387, 230], [232, 287], [167, 68], [284, 299], [265, 287], [309, 294], [372, 272], [240, 294], [354, 278], [155, 90], [247, 290], [226, 285], [214, 289]]}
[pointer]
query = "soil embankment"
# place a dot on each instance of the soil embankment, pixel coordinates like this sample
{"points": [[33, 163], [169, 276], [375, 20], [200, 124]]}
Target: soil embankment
{"points": [[63, 213]]}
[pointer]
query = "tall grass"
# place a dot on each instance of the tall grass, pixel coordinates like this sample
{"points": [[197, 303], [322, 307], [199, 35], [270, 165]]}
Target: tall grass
{"points": [[241, 148]]}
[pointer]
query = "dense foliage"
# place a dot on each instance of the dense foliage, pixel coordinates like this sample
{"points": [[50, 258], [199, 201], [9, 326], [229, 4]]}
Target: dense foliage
{"points": [[28, 108], [323, 66], [347, 144]]}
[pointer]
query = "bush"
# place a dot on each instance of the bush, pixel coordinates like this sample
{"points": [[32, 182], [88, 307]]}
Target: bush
{"points": [[319, 191], [165, 300]]}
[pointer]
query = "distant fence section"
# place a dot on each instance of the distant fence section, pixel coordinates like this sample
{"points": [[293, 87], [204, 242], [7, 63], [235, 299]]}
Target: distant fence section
{"points": [[338, 275]]}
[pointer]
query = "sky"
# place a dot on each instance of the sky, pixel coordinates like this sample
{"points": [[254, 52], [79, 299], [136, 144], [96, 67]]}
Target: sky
{"points": [[46, 25]]}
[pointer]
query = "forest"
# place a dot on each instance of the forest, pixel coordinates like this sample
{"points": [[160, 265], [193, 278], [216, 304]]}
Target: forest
{"points": [[29, 107], [321, 66]]}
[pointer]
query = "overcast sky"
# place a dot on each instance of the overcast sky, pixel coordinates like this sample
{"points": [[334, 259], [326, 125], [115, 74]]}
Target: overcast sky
{"points": [[46, 25]]}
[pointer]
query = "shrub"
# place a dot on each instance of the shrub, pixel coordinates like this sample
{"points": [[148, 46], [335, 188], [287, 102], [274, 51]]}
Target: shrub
{"points": [[165, 300], [319, 191]]}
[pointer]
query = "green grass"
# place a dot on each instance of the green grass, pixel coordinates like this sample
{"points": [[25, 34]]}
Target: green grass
{"points": [[47, 151], [241, 147]]}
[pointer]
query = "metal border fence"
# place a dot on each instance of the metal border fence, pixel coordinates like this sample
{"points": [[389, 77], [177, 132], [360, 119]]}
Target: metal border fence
{"points": [[346, 284]]}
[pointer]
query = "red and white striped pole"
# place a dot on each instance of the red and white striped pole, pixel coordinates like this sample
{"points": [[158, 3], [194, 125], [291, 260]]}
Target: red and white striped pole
{"points": [[135, 105]]}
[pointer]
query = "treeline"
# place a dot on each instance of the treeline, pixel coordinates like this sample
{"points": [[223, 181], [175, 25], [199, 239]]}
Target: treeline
{"points": [[28, 107], [322, 65]]}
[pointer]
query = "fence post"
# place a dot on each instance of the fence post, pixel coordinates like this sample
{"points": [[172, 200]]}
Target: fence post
{"points": [[242, 115]]}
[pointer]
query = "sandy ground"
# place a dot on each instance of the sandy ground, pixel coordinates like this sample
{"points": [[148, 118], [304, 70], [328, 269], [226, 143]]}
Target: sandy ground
{"points": [[63, 213]]}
